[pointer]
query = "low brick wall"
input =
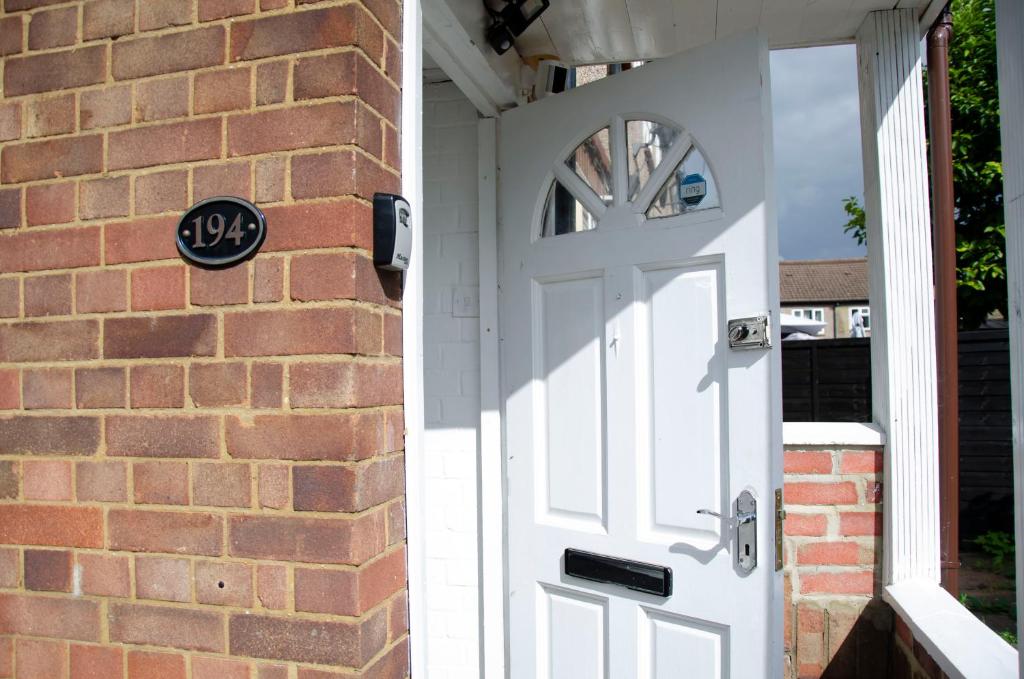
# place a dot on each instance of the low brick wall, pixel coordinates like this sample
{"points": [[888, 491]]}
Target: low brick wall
{"points": [[836, 623]]}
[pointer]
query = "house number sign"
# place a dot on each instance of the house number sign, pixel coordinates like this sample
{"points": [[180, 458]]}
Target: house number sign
{"points": [[221, 231]]}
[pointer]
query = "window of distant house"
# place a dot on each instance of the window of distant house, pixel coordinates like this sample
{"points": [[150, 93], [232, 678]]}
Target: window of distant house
{"points": [[814, 313], [865, 316]]}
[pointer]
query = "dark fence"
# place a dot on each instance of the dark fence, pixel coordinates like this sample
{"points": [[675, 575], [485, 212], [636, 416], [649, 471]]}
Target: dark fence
{"points": [[830, 381]]}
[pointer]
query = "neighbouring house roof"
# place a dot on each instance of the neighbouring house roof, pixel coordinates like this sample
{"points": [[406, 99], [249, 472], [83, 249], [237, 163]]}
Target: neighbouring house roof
{"points": [[824, 280]]}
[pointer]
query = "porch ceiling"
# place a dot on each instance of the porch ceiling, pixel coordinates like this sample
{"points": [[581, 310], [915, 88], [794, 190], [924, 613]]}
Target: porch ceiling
{"points": [[600, 31]]}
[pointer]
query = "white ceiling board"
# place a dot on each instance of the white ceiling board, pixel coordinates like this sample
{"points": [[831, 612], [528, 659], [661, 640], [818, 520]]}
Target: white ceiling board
{"points": [[736, 16], [589, 30], [665, 27]]}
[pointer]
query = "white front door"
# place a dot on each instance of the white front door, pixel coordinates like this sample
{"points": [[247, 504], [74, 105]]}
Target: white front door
{"points": [[636, 220]]}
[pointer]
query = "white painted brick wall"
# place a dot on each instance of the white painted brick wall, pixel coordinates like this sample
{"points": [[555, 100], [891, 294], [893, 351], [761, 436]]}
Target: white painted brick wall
{"points": [[451, 382]]}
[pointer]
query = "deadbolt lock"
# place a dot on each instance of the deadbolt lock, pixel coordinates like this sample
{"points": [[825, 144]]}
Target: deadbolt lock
{"points": [[750, 333]]}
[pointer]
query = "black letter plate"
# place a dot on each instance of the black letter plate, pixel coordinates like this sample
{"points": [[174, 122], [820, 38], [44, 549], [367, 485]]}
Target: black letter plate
{"points": [[221, 231], [641, 577]]}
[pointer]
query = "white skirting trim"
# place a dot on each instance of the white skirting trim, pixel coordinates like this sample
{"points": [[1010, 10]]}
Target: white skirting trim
{"points": [[837, 434]]}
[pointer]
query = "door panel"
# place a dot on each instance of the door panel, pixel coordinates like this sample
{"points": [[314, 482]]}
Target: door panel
{"points": [[625, 411]]}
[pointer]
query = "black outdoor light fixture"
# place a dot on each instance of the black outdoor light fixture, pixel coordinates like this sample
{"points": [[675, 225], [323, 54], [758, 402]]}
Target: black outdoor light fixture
{"points": [[512, 20]]}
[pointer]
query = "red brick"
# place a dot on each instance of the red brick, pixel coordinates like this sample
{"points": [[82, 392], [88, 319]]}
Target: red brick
{"points": [[219, 484], [873, 492], [804, 493], [46, 480], [350, 488], [398, 617], [50, 116], [267, 385], [107, 18], [227, 90], [272, 586], [305, 32], [48, 295], [159, 436], [141, 240], [53, 71], [63, 249], [330, 124], [10, 208], [224, 584], [147, 665], [105, 481], [271, 82], [100, 198], [860, 523], [50, 526], [396, 522], [161, 192], [829, 554], [861, 462], [101, 291], [223, 179], [345, 385], [107, 107], [304, 331], [217, 287], [803, 462], [168, 532], [158, 386], [346, 73], [99, 388], [170, 53], [54, 28], [10, 390], [158, 288], [37, 659], [274, 486], [48, 570], [344, 436], [161, 99], [392, 150], [162, 578], [169, 627], [60, 618], [217, 384], [335, 276], [17, 5], [95, 662], [164, 144], [11, 35], [8, 480], [218, 668], [349, 592], [49, 435], [157, 14], [268, 280], [48, 388], [211, 10], [854, 582], [339, 541], [267, 5], [164, 336], [105, 575], [392, 334], [160, 483], [7, 657], [343, 223], [309, 641], [806, 524], [340, 173]]}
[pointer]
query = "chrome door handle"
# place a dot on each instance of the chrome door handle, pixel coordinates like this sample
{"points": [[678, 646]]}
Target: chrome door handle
{"points": [[746, 530]]}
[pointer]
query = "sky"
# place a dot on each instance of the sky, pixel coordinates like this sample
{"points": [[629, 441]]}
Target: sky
{"points": [[817, 149]]}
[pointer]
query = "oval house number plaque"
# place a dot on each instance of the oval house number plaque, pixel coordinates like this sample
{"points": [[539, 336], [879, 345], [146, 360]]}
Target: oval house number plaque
{"points": [[221, 231]]}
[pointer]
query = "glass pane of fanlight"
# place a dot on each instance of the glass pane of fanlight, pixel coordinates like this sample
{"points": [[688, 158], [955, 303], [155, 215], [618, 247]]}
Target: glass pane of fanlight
{"points": [[647, 143], [592, 161], [564, 214], [689, 188]]}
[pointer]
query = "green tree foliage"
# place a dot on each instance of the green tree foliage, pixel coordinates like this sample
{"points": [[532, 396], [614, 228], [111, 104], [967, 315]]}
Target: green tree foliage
{"points": [[977, 170]]}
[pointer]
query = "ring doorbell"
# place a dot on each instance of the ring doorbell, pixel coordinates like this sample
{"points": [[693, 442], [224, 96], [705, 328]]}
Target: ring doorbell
{"points": [[392, 231]]}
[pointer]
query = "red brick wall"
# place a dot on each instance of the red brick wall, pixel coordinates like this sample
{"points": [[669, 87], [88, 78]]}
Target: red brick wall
{"points": [[836, 624], [201, 473]]}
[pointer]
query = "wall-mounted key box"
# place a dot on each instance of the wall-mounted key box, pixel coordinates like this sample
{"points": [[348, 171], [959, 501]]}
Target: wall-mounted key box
{"points": [[392, 231]]}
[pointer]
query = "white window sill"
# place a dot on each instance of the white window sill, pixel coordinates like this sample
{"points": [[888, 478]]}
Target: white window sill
{"points": [[963, 646], [832, 434]]}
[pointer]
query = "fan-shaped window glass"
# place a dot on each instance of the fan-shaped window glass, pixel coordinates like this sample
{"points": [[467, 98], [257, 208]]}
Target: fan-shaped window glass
{"points": [[646, 145], [689, 188], [592, 161], [564, 214]]}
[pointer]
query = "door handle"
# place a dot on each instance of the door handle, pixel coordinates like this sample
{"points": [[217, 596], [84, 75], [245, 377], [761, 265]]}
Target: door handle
{"points": [[746, 530]]}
